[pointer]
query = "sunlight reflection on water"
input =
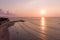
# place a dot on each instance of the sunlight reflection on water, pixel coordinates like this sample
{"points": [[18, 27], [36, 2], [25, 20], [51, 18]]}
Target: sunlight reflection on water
{"points": [[43, 28]]}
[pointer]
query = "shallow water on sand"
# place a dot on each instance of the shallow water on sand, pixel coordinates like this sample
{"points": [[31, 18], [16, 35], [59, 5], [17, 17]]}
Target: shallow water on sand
{"points": [[44, 28]]}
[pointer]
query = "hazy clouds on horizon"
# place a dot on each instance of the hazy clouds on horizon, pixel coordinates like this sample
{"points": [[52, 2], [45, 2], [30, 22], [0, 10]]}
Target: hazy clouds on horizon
{"points": [[31, 7]]}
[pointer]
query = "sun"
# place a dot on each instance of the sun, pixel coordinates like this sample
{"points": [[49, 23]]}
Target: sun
{"points": [[43, 12]]}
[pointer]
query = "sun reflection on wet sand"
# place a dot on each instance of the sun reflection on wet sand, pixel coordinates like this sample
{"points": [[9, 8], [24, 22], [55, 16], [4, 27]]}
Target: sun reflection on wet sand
{"points": [[43, 28]]}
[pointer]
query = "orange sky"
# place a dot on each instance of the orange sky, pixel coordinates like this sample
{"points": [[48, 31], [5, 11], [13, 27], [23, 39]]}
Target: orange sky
{"points": [[31, 8]]}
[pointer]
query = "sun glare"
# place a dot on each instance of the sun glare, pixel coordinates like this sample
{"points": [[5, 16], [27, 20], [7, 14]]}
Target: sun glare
{"points": [[43, 12]]}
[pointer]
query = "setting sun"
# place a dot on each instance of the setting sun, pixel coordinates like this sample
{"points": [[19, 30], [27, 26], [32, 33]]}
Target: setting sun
{"points": [[43, 12]]}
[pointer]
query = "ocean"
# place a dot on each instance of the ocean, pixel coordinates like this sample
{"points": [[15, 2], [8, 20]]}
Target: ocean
{"points": [[35, 28]]}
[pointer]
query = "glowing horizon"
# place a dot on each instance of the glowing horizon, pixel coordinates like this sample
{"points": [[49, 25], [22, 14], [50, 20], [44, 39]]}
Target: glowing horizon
{"points": [[31, 7]]}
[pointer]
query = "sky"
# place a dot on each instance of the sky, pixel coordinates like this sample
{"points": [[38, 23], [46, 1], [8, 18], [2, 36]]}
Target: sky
{"points": [[31, 8]]}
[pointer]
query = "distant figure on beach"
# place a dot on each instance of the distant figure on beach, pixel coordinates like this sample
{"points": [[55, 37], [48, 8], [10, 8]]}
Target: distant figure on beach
{"points": [[4, 33]]}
